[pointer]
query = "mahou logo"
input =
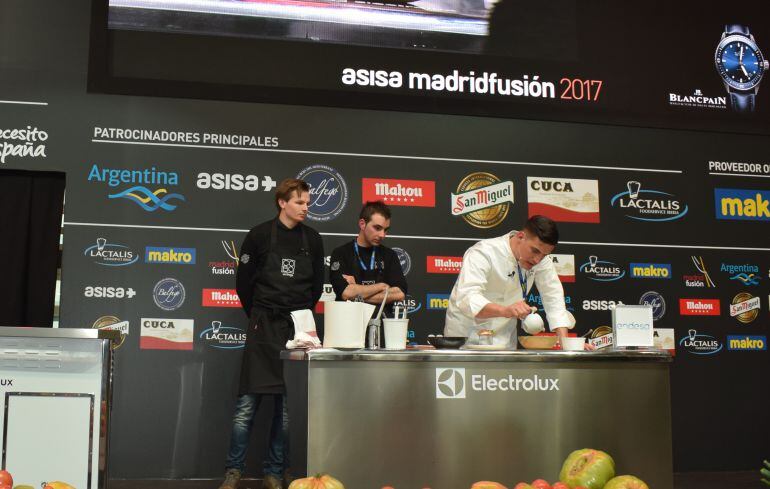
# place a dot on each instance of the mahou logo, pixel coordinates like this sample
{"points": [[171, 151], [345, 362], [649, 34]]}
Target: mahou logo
{"points": [[445, 264], [699, 307], [220, 298], [412, 193]]}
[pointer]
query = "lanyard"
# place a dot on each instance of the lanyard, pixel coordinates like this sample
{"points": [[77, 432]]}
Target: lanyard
{"points": [[522, 282], [360, 261]]}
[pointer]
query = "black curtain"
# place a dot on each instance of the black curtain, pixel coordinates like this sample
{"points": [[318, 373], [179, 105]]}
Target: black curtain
{"points": [[31, 205]]}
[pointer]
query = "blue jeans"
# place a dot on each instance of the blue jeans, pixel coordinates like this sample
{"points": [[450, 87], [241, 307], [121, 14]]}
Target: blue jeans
{"points": [[243, 419]]}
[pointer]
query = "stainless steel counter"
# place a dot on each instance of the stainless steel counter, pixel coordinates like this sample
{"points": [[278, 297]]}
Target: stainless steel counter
{"points": [[446, 418]]}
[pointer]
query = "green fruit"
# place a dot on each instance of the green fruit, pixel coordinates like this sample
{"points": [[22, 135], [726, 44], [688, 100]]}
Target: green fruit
{"points": [[587, 468], [626, 482], [23, 487]]}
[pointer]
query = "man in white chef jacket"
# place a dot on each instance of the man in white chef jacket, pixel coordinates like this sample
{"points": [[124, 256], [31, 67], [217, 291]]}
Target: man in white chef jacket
{"points": [[496, 275]]}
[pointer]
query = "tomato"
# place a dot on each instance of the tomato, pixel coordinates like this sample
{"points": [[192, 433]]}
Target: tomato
{"points": [[5, 478], [541, 484], [559, 485]]}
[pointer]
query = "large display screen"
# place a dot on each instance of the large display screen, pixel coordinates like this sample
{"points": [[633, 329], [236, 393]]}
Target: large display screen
{"points": [[649, 63]]}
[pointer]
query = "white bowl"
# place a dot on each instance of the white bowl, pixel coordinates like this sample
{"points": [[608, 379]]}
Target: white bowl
{"points": [[573, 344]]}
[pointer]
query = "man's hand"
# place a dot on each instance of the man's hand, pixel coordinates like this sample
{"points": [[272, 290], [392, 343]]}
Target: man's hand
{"points": [[349, 279], [520, 310]]}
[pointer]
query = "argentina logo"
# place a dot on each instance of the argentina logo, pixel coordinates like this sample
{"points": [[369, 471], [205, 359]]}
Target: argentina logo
{"points": [[136, 186]]}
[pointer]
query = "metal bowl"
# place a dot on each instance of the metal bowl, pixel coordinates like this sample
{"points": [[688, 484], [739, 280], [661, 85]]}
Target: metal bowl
{"points": [[447, 342], [538, 342]]}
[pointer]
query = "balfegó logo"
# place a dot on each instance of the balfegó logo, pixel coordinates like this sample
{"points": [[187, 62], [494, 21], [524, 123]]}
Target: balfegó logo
{"points": [[110, 254], [602, 270], [482, 199], [412, 193], [168, 294], [742, 204], [137, 183], [565, 267], [745, 307], [648, 205], [656, 301], [450, 383], [650, 270], [444, 264], [328, 192], [564, 199], [22, 143], [404, 260], [173, 256]]}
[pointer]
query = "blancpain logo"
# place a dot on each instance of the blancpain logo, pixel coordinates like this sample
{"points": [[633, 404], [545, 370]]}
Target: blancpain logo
{"points": [[697, 99]]}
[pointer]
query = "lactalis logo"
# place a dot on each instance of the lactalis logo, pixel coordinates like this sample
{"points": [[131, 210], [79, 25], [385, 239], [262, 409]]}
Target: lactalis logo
{"points": [[110, 255], [700, 344], [601, 270], [564, 199], [444, 264], [412, 193], [741, 204], [234, 181], [699, 307], [173, 256], [648, 205], [450, 383], [650, 270]]}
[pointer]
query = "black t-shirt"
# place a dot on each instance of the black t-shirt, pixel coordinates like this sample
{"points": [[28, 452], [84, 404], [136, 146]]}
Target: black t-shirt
{"points": [[254, 251], [387, 268]]}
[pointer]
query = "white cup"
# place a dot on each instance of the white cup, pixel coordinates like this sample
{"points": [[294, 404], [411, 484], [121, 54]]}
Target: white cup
{"points": [[573, 343], [533, 324], [395, 333]]}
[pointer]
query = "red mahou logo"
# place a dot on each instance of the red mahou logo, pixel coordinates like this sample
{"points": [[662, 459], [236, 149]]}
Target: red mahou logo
{"points": [[412, 193], [444, 264], [220, 298], [699, 307]]}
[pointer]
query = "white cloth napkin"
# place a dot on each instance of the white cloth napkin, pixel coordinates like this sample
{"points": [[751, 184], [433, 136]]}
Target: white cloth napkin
{"points": [[305, 335]]}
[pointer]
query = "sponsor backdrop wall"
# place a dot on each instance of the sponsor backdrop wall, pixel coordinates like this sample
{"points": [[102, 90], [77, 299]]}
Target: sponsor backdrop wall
{"points": [[160, 193]]}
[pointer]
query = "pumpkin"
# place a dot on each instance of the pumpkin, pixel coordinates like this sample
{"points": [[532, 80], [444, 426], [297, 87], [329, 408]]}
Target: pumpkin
{"points": [[487, 485], [320, 481]]}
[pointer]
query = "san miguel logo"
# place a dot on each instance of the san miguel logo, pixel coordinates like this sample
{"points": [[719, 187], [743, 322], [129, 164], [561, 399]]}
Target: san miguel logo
{"points": [[648, 205], [482, 199], [112, 323], [412, 193], [136, 186], [444, 264], [745, 307], [699, 307], [563, 199]]}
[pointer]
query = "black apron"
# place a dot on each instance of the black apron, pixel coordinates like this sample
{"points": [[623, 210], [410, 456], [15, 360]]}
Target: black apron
{"points": [[366, 275], [284, 284]]}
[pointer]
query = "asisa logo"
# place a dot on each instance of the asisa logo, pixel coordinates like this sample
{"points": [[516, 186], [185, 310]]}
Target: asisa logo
{"points": [[700, 344], [110, 254], [648, 205], [328, 192], [136, 186], [741, 204], [223, 337], [602, 270]]}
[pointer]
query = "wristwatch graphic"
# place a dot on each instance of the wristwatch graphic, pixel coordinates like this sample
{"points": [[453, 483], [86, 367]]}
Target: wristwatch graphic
{"points": [[741, 65]]}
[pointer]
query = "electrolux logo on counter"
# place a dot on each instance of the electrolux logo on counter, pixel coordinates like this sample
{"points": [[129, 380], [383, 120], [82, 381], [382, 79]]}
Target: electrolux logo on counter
{"points": [[452, 383], [174, 256], [648, 205], [602, 270], [746, 273], [742, 204], [412, 193], [650, 270], [328, 192], [234, 181], [137, 183], [563, 199], [110, 254], [28, 142]]}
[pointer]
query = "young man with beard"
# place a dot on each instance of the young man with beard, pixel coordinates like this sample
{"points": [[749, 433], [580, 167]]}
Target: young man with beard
{"points": [[281, 269], [363, 268]]}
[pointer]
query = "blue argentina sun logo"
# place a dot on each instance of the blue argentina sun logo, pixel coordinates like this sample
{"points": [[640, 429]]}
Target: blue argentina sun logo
{"points": [[138, 182]]}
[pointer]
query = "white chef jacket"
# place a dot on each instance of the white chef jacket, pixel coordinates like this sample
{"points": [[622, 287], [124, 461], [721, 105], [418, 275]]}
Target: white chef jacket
{"points": [[486, 277]]}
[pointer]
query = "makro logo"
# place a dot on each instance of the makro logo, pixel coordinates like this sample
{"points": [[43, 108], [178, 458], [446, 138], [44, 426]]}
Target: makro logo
{"points": [[747, 274], [564, 266], [747, 343], [220, 298], [699, 307], [404, 259], [648, 205], [412, 193], [745, 307], [602, 270], [105, 292], [138, 183], [742, 205], [411, 304], [110, 254], [223, 337], [234, 181], [22, 143], [437, 302], [482, 199], [700, 344], [650, 270], [328, 192], [656, 301], [451, 383], [174, 256], [564, 199], [168, 294], [703, 279], [600, 305], [444, 264]]}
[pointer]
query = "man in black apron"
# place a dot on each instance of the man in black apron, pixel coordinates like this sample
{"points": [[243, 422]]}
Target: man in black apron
{"points": [[362, 268], [281, 269]]}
